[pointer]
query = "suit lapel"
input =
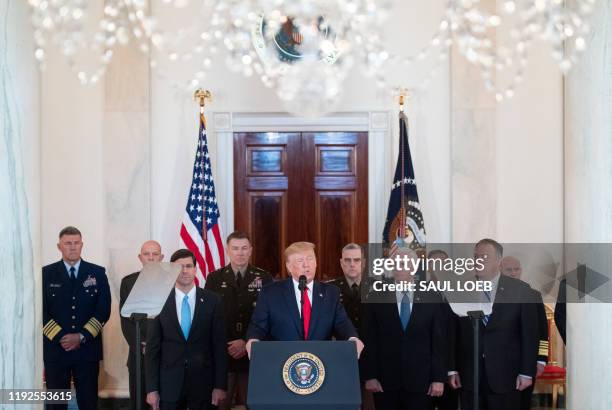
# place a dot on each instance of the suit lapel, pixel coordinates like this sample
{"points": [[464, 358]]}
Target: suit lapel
{"points": [[292, 306], [62, 273], [497, 302], [82, 274], [198, 311], [173, 313], [317, 299], [230, 276], [396, 314]]}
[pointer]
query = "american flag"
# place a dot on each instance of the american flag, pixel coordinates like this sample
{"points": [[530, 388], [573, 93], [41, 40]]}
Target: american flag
{"points": [[200, 230]]}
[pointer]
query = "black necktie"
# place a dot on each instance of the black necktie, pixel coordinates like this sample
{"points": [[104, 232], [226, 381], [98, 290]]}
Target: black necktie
{"points": [[72, 274], [239, 279], [355, 290]]}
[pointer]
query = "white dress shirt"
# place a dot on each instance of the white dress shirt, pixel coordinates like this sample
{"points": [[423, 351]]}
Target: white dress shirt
{"points": [[298, 294], [179, 295]]}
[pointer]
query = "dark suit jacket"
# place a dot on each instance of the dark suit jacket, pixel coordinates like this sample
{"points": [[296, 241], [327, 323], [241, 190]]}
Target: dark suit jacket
{"points": [[410, 359], [352, 302], [560, 315], [169, 355], [277, 317], [80, 308], [128, 327], [508, 344]]}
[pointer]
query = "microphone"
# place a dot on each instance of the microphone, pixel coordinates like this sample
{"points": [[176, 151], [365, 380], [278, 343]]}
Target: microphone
{"points": [[302, 283]]}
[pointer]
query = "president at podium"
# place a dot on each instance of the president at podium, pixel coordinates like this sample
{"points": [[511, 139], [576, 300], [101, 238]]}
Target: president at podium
{"points": [[300, 308]]}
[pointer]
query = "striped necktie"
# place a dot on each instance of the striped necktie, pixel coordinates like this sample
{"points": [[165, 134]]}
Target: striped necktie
{"points": [[485, 319]]}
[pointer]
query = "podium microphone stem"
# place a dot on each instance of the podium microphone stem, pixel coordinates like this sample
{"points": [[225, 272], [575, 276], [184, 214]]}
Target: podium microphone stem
{"points": [[138, 318], [475, 318]]}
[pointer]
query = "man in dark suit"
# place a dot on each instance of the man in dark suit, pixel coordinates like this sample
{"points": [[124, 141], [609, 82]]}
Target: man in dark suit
{"points": [[405, 355], [238, 284], [76, 305], [186, 359], [508, 339], [150, 252], [278, 310], [511, 266]]}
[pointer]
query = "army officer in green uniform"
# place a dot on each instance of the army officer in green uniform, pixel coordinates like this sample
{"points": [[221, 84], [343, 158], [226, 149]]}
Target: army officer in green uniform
{"points": [[351, 289], [238, 284], [350, 283]]}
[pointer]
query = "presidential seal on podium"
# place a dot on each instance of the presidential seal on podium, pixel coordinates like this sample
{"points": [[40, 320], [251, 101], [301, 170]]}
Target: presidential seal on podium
{"points": [[303, 373]]}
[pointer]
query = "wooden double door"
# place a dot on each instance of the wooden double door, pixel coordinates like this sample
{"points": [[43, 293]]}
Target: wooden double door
{"points": [[309, 186]]}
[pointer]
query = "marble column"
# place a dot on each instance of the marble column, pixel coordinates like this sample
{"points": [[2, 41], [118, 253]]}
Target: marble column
{"points": [[20, 329], [473, 151], [588, 207], [126, 173]]}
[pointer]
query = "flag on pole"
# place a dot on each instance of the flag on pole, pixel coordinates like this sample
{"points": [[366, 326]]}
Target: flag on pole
{"points": [[200, 230], [404, 225]]}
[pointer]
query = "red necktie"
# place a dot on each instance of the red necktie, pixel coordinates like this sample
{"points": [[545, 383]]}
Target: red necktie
{"points": [[306, 308]]}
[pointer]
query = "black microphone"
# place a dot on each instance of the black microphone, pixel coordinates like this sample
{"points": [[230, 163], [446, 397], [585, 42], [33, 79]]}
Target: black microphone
{"points": [[302, 283], [302, 287]]}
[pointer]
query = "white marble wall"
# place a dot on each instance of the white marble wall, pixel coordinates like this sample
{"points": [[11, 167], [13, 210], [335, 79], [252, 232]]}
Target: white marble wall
{"points": [[473, 142], [20, 332], [126, 151], [588, 207], [507, 157]]}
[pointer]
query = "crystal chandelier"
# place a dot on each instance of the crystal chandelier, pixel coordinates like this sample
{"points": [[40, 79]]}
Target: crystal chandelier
{"points": [[304, 49]]}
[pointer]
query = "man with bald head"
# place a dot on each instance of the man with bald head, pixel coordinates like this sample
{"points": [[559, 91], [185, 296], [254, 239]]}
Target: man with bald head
{"points": [[511, 266], [150, 252]]}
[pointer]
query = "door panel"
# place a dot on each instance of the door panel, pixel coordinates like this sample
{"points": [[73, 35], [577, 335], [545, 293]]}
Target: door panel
{"points": [[292, 187]]}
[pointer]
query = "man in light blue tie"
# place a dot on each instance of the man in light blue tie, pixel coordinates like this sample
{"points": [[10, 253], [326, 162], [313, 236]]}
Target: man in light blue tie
{"points": [[405, 343], [186, 359]]}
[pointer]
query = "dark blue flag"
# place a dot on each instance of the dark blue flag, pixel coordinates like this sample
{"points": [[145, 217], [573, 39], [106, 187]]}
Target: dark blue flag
{"points": [[404, 225]]}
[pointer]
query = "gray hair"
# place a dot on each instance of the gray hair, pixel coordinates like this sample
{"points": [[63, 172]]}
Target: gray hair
{"points": [[352, 246], [69, 230]]}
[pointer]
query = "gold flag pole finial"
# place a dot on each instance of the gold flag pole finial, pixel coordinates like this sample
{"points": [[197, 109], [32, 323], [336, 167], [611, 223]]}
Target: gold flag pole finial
{"points": [[201, 96], [403, 94]]}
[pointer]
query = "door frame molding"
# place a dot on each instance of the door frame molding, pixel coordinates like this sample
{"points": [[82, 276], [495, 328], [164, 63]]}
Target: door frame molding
{"points": [[376, 123]]}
